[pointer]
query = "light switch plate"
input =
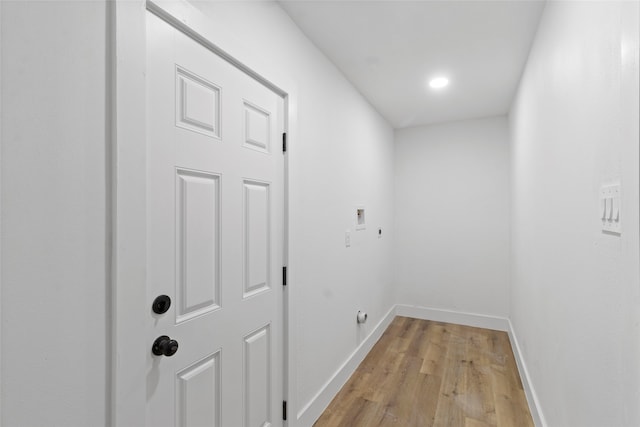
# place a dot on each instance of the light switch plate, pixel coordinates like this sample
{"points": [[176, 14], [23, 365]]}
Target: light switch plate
{"points": [[347, 238], [610, 209]]}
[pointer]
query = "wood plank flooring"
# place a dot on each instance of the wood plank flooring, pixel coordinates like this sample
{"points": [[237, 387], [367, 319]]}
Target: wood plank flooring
{"points": [[424, 373]]}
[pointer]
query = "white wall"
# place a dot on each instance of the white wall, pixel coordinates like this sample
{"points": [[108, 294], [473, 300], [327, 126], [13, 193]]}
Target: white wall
{"points": [[343, 156], [575, 299], [452, 216], [54, 287]]}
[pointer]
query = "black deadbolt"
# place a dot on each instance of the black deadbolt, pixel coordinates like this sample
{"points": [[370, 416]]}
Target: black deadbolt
{"points": [[161, 304], [164, 346]]}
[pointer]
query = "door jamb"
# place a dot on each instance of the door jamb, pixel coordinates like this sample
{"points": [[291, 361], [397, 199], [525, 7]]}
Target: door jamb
{"points": [[128, 186], [128, 214]]}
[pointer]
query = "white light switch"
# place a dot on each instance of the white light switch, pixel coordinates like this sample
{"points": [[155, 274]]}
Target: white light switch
{"points": [[611, 208], [347, 238]]}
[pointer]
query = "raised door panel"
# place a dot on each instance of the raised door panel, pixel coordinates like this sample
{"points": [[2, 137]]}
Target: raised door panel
{"points": [[257, 127], [256, 237], [197, 239], [197, 103], [198, 394], [257, 378]]}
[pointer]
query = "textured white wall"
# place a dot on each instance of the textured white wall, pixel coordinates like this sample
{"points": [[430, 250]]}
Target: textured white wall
{"points": [[575, 299], [452, 216], [54, 288]]}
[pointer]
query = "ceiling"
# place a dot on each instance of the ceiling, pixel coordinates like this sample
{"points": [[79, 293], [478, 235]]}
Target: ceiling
{"points": [[389, 50]]}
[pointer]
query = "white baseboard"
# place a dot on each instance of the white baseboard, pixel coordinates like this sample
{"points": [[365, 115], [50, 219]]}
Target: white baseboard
{"points": [[457, 317], [312, 410], [532, 397]]}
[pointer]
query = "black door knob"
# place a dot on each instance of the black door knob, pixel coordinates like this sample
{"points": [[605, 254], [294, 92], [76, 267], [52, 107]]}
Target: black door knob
{"points": [[164, 346], [161, 304]]}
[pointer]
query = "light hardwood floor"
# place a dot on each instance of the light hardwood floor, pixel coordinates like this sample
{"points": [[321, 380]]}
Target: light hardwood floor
{"points": [[424, 373]]}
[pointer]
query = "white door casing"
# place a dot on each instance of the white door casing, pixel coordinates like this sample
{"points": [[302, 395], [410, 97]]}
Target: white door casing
{"points": [[215, 191]]}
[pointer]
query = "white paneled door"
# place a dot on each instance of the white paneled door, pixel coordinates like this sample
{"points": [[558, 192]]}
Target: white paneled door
{"points": [[215, 184]]}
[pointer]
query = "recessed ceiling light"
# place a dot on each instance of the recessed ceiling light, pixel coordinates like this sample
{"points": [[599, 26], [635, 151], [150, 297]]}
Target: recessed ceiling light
{"points": [[438, 82]]}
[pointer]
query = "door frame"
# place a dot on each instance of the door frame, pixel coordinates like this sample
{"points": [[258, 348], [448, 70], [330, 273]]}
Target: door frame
{"points": [[127, 47]]}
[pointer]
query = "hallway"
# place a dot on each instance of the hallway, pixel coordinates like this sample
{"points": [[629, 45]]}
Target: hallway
{"points": [[467, 162]]}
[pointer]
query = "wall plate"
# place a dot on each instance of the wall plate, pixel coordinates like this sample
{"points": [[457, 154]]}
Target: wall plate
{"points": [[360, 218], [610, 208]]}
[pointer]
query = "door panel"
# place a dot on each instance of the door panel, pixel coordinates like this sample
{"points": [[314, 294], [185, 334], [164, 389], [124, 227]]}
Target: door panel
{"points": [[197, 103], [198, 393], [256, 127], [215, 189], [256, 241], [257, 381], [197, 243]]}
